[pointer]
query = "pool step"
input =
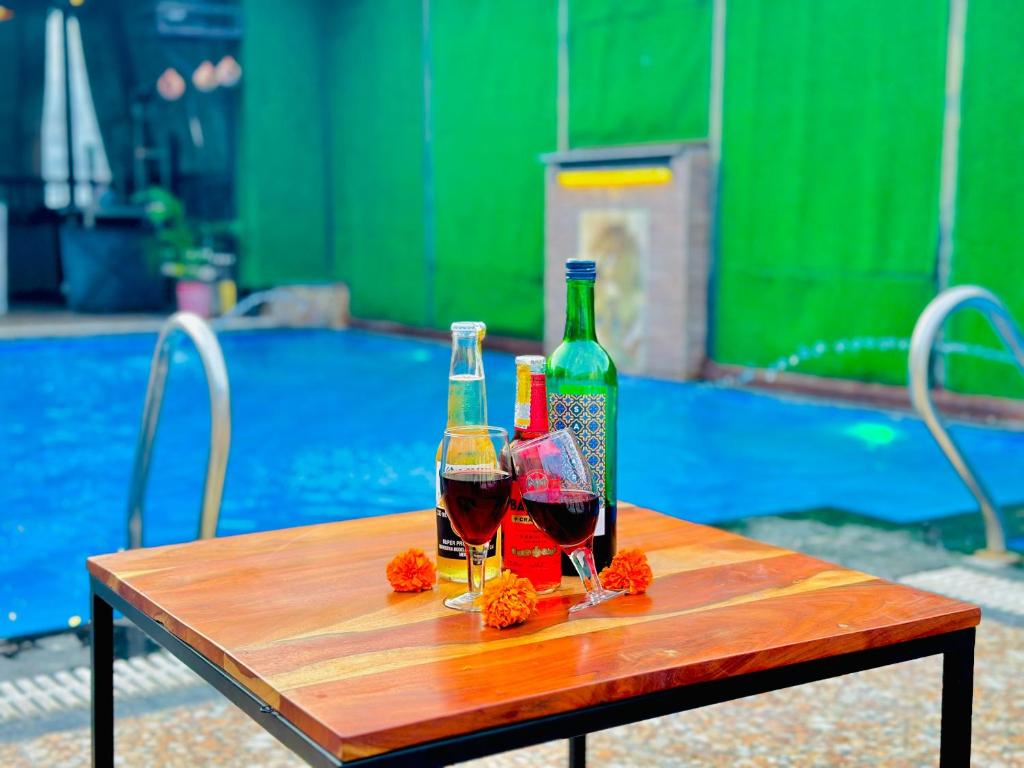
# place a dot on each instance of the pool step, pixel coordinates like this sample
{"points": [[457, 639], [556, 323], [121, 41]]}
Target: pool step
{"points": [[41, 695], [1000, 593]]}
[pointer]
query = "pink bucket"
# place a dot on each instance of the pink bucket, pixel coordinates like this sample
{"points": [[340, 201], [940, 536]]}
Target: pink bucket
{"points": [[194, 296]]}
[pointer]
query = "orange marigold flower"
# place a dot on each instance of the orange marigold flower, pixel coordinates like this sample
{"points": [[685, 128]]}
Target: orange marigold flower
{"points": [[411, 571], [508, 600], [628, 571]]}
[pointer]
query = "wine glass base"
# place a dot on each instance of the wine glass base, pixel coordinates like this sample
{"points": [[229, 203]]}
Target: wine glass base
{"points": [[595, 598], [467, 601]]}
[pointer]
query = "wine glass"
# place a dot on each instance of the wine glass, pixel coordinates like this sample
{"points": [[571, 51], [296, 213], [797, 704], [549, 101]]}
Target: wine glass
{"points": [[560, 495], [476, 480]]}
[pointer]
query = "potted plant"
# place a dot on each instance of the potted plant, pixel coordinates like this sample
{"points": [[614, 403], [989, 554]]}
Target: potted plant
{"points": [[190, 255]]}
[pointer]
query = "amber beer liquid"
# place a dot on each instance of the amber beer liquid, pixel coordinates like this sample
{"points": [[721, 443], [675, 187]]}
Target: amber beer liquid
{"points": [[467, 406], [525, 549]]}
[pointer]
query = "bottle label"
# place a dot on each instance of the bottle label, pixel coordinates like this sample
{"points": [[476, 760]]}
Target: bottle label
{"points": [[449, 543], [538, 404], [586, 416], [526, 550], [523, 405]]}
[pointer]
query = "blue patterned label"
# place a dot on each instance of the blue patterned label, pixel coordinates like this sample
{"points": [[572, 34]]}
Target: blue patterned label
{"points": [[585, 415]]}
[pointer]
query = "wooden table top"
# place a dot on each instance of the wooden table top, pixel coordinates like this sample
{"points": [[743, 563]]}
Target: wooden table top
{"points": [[304, 618]]}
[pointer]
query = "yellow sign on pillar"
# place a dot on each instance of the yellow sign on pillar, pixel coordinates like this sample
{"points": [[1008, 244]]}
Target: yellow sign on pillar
{"points": [[605, 178]]}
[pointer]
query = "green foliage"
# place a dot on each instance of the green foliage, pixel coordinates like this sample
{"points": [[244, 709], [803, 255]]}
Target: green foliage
{"points": [[172, 235], [178, 247]]}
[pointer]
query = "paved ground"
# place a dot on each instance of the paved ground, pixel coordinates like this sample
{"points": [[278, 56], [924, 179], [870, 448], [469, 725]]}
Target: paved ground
{"points": [[886, 717]]}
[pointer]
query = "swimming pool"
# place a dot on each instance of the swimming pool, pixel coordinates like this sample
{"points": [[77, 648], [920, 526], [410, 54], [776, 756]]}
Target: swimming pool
{"points": [[338, 424]]}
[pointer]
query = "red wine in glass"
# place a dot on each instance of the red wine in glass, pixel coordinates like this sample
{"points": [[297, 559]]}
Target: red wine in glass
{"points": [[567, 516], [560, 494], [475, 482], [475, 501]]}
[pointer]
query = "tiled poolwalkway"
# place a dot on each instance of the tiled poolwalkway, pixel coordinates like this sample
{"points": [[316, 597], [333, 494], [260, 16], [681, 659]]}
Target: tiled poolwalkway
{"points": [[886, 717]]}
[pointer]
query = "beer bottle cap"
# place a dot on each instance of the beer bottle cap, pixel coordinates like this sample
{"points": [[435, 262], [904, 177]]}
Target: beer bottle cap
{"points": [[580, 269]]}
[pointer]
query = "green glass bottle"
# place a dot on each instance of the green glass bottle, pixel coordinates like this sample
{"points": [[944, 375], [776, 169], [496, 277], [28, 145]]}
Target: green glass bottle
{"points": [[583, 393]]}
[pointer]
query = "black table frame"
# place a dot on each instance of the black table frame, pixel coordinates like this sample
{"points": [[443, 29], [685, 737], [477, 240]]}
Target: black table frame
{"points": [[957, 648]]}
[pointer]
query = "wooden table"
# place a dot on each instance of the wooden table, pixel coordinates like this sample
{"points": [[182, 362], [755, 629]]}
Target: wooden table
{"points": [[299, 628]]}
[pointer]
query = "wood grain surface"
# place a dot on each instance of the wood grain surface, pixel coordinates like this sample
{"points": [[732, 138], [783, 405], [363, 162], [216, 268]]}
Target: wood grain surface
{"points": [[305, 619]]}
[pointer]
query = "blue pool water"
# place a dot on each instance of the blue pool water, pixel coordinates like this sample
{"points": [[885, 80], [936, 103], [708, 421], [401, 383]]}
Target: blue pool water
{"points": [[332, 425]]}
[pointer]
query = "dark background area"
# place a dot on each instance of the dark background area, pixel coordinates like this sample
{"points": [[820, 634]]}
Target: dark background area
{"points": [[125, 54]]}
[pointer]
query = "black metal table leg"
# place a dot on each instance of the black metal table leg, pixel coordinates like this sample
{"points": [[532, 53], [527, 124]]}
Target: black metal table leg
{"points": [[578, 751], [957, 702], [958, 674], [102, 634]]}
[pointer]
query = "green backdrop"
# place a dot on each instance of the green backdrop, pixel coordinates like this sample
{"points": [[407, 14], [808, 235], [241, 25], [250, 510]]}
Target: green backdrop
{"points": [[492, 115], [400, 154], [281, 181], [638, 71], [376, 157], [989, 233], [830, 179]]}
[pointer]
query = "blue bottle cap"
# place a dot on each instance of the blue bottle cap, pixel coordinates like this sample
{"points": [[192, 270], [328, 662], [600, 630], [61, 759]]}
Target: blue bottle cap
{"points": [[580, 269]]}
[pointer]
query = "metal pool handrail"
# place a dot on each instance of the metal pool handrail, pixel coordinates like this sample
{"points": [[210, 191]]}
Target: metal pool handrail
{"points": [[922, 343], [216, 372]]}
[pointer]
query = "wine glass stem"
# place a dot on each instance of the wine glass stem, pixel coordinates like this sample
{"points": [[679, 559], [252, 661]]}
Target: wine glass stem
{"points": [[583, 559], [476, 567]]}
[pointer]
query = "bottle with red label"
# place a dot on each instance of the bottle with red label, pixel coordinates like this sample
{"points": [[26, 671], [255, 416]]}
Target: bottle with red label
{"points": [[526, 550]]}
